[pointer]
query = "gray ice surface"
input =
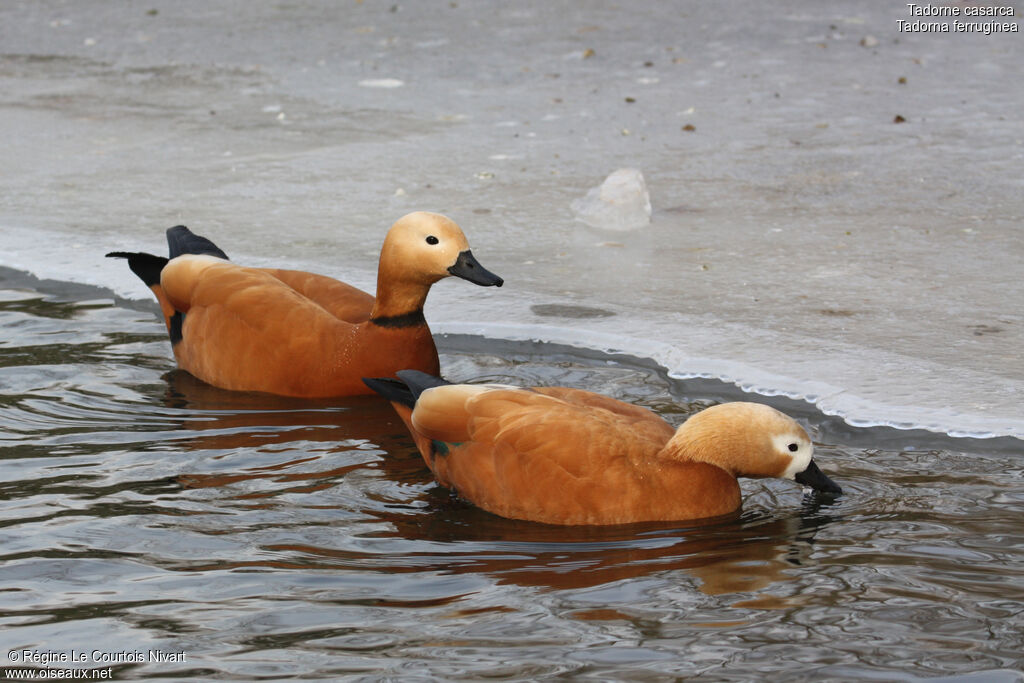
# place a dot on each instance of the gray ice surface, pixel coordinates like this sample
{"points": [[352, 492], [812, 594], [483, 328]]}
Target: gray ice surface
{"points": [[837, 204]]}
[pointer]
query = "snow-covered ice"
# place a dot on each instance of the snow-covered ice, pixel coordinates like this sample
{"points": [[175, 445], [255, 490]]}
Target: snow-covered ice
{"points": [[834, 218]]}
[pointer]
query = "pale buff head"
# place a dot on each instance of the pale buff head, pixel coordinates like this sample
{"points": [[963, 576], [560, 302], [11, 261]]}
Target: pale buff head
{"points": [[750, 440], [424, 247]]}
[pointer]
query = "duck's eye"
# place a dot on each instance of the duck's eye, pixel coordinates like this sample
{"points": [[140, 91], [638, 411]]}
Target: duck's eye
{"points": [[793, 448], [432, 240]]}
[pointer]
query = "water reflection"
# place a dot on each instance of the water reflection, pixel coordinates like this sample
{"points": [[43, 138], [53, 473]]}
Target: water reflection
{"points": [[139, 506], [222, 420], [743, 554], [740, 553]]}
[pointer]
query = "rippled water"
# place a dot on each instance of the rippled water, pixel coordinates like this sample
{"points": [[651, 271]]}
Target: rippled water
{"points": [[271, 538]]}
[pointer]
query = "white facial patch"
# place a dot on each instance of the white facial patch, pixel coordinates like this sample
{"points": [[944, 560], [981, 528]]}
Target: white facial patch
{"points": [[801, 457]]}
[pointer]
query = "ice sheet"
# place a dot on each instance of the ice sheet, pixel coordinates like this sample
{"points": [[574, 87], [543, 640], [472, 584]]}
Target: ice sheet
{"points": [[834, 217]]}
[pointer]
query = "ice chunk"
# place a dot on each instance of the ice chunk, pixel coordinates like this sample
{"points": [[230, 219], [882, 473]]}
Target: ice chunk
{"points": [[620, 203], [381, 83]]}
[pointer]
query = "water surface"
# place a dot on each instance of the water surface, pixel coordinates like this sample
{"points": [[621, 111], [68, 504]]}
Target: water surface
{"points": [[274, 538]]}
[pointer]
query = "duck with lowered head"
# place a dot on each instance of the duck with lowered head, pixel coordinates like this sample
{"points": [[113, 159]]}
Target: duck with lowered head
{"points": [[567, 456]]}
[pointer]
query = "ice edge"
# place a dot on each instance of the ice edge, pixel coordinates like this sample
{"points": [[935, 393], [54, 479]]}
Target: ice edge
{"points": [[856, 411]]}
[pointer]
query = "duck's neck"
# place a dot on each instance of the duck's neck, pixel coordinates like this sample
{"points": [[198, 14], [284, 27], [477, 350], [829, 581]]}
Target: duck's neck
{"points": [[399, 303]]}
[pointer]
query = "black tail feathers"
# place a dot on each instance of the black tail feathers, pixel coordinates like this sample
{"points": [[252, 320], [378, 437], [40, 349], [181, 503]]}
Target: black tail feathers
{"points": [[146, 266], [181, 240], [407, 388]]}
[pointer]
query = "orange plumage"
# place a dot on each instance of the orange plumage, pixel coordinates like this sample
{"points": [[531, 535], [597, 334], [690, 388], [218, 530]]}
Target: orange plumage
{"points": [[300, 334], [567, 456]]}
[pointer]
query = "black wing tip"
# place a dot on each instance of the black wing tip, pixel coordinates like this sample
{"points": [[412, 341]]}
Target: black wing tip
{"points": [[391, 389], [176, 327], [407, 388], [418, 381], [181, 240]]}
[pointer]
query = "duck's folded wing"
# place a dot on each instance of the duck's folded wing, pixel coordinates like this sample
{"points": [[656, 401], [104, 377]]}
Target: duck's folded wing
{"points": [[341, 300], [528, 455], [638, 417], [581, 439]]}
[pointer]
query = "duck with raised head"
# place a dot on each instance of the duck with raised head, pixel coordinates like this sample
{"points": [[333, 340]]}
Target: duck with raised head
{"points": [[295, 333], [567, 456]]}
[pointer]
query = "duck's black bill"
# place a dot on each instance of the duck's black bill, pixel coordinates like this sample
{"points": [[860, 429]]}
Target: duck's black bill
{"points": [[817, 480], [468, 268]]}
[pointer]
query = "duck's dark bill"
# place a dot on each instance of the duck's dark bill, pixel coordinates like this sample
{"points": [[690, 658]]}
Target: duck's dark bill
{"points": [[817, 480], [468, 268]]}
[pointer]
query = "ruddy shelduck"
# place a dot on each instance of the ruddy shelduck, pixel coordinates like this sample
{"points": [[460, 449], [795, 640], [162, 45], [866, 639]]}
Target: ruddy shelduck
{"points": [[294, 333], [567, 456]]}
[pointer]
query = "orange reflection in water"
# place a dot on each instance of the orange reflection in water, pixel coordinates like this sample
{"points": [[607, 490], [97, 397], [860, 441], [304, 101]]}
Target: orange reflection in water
{"points": [[735, 554]]}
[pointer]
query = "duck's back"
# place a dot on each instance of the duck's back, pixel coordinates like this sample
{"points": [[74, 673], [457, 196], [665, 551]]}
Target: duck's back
{"points": [[338, 298]]}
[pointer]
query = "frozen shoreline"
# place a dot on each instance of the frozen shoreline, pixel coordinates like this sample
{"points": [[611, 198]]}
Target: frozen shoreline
{"points": [[591, 341]]}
